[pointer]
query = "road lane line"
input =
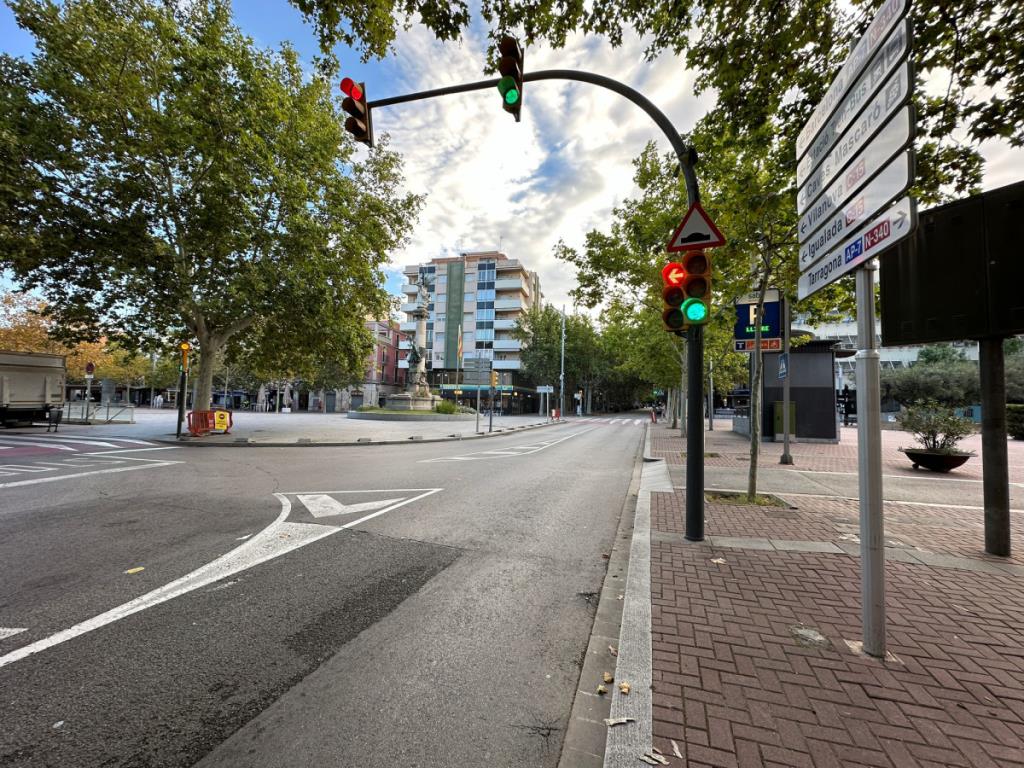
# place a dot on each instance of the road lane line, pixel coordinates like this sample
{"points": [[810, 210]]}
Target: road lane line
{"points": [[51, 446], [6, 632], [513, 450]]}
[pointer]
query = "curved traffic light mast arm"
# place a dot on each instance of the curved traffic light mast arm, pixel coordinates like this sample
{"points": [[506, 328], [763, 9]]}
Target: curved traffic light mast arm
{"points": [[686, 154]]}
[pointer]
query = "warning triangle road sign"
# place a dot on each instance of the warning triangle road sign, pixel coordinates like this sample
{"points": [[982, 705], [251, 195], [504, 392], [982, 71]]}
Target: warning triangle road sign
{"points": [[696, 230]]}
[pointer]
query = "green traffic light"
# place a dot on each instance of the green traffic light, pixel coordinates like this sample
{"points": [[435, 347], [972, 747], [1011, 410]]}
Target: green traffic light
{"points": [[511, 96], [695, 311]]}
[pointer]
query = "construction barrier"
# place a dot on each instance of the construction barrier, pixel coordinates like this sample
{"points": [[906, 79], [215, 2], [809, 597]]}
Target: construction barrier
{"points": [[201, 423]]}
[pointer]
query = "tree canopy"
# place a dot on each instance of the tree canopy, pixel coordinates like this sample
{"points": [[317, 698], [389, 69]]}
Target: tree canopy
{"points": [[164, 178]]}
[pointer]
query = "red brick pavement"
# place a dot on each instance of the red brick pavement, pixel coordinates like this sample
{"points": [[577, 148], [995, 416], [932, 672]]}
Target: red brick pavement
{"points": [[734, 451], [733, 685]]}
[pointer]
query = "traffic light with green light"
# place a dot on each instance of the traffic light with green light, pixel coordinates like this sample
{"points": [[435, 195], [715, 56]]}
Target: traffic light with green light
{"points": [[510, 66], [696, 286], [358, 122]]}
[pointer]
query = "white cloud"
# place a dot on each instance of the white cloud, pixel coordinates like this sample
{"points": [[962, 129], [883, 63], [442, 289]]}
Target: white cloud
{"points": [[555, 175]]}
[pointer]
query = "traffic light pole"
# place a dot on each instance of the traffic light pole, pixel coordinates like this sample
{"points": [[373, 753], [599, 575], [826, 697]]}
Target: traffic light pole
{"points": [[687, 157]]}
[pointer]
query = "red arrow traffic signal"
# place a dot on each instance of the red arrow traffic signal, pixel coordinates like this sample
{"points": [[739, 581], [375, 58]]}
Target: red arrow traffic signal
{"points": [[673, 273]]}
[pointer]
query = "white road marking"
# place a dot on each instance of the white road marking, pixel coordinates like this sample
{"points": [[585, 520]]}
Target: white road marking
{"points": [[273, 541], [510, 451], [24, 468], [322, 505], [6, 632], [14, 442], [55, 440], [37, 480]]}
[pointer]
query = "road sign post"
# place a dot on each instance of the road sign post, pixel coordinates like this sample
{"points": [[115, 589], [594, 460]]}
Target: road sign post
{"points": [[851, 167]]}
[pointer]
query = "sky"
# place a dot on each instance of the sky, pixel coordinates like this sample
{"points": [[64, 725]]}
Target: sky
{"points": [[492, 183]]}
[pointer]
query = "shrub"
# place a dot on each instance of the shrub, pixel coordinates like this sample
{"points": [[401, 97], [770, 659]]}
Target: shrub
{"points": [[363, 408], [446, 406], [935, 426], [1015, 421]]}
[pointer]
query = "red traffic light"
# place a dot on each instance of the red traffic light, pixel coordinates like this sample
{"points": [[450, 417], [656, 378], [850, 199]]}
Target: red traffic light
{"points": [[350, 88], [673, 273]]}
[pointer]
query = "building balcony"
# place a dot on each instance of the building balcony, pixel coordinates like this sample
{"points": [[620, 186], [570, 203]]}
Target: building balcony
{"points": [[409, 327], [508, 264], [410, 288], [506, 365], [508, 345], [511, 284], [504, 323], [507, 304], [410, 307], [405, 344]]}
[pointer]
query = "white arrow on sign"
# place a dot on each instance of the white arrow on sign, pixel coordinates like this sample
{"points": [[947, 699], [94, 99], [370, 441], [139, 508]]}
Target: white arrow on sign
{"points": [[696, 230], [322, 505], [885, 230], [891, 97], [886, 186]]}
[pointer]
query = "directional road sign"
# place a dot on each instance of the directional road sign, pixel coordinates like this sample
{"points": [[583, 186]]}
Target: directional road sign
{"points": [[695, 231], [879, 192], [745, 329], [783, 366], [884, 63], [886, 102], [852, 162], [545, 389], [887, 229], [886, 18]]}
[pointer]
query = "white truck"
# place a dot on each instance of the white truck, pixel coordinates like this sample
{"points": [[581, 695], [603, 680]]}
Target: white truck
{"points": [[31, 385]]}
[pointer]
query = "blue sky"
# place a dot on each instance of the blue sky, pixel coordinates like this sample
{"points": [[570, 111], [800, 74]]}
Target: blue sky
{"points": [[489, 181]]}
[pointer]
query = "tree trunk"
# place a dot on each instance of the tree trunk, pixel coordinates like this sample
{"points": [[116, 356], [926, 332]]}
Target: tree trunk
{"points": [[670, 406], [208, 349]]}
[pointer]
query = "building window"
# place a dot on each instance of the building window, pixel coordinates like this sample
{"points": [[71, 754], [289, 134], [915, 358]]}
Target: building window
{"points": [[484, 314], [486, 295], [484, 344]]}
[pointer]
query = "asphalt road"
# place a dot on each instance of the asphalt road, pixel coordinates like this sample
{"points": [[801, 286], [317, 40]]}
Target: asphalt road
{"points": [[415, 605]]}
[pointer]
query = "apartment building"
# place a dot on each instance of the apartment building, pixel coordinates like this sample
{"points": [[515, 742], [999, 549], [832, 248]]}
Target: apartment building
{"points": [[485, 293], [384, 374]]}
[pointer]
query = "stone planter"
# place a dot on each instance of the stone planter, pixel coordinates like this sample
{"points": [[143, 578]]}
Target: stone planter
{"points": [[936, 462]]}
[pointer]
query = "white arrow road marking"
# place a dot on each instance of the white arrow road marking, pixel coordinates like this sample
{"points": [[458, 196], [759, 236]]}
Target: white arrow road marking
{"points": [[510, 451], [10, 631], [273, 541], [322, 505]]}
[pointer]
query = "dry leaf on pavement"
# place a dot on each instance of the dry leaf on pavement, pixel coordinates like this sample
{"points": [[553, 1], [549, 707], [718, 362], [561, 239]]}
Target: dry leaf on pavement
{"points": [[610, 721], [609, 677], [624, 688]]}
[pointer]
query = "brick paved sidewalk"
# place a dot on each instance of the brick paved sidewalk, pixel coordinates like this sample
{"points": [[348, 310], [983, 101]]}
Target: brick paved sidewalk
{"points": [[750, 631]]}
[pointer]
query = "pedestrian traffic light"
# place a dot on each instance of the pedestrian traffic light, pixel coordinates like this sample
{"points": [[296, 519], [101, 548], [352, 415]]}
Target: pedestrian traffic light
{"points": [[510, 65], [358, 123], [494, 379], [696, 286]]}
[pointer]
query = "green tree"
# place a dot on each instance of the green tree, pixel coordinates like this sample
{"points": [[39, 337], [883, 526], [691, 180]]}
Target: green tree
{"points": [[941, 375], [166, 179], [764, 60]]}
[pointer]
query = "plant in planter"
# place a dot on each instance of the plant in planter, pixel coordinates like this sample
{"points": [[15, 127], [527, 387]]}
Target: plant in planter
{"points": [[938, 430]]}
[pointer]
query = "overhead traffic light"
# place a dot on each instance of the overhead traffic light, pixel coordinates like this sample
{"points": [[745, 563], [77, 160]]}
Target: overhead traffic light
{"points": [[358, 123], [696, 285], [510, 65], [494, 379]]}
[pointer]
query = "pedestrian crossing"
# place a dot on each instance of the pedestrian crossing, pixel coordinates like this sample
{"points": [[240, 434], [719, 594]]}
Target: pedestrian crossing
{"points": [[20, 446], [613, 421]]}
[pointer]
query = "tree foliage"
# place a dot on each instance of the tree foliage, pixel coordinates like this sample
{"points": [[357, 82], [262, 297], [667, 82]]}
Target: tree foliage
{"points": [[764, 60], [166, 179]]}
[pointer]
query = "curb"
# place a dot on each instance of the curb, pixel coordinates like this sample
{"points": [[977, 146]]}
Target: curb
{"points": [[586, 733], [305, 442]]}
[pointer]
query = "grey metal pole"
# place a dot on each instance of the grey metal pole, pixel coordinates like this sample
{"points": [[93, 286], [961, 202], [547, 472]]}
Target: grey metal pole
{"points": [[182, 383], [786, 457], [711, 396], [478, 399], [995, 468], [869, 466], [695, 436], [681, 405], [561, 375]]}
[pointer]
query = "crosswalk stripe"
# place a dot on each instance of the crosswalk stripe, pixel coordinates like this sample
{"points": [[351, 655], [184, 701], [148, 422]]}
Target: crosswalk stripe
{"points": [[12, 441], [79, 440]]}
